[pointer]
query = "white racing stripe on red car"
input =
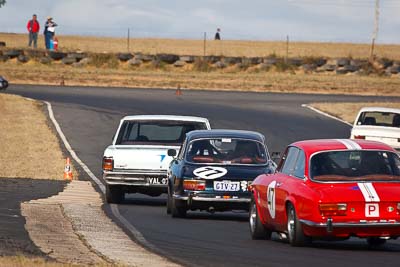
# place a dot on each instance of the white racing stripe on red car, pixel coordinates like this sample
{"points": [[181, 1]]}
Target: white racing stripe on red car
{"points": [[369, 192], [350, 144]]}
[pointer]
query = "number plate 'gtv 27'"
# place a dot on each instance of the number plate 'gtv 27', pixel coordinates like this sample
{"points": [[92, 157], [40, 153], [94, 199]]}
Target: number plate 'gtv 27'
{"points": [[226, 186]]}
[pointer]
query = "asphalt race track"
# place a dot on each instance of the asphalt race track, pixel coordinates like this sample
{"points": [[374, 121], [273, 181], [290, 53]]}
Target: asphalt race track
{"points": [[89, 117]]}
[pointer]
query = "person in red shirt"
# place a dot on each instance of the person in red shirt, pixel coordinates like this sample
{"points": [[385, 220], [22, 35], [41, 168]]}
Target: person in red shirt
{"points": [[33, 29]]}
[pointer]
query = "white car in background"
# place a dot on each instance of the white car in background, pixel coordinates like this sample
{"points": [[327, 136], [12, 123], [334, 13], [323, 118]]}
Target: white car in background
{"points": [[378, 124], [137, 160]]}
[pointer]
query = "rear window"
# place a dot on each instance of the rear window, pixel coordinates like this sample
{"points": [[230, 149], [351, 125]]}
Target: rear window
{"points": [[156, 132], [226, 151], [387, 119], [358, 165]]}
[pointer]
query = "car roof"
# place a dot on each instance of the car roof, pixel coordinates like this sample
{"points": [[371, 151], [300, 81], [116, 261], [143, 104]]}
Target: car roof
{"points": [[222, 133], [380, 109], [165, 117], [312, 146]]}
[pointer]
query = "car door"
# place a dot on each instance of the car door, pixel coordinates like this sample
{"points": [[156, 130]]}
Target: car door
{"points": [[284, 183]]}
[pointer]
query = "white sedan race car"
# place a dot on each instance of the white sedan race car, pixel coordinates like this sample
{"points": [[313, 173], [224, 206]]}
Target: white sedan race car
{"points": [[378, 124], [137, 160]]}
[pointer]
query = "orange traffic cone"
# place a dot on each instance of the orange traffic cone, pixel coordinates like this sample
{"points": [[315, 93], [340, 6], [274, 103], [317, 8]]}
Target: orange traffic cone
{"points": [[178, 91], [67, 170]]}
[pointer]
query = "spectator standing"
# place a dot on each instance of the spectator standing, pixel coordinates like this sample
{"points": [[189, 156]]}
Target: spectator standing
{"points": [[217, 34], [33, 29], [49, 31]]}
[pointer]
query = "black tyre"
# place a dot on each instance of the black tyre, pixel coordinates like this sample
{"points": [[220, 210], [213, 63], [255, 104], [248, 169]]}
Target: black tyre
{"points": [[169, 201], [257, 229], [57, 55], [13, 53], [178, 209], [114, 194], [125, 56], [375, 241], [296, 235]]}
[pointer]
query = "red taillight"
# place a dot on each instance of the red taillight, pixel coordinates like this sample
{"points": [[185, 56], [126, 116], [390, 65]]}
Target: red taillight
{"points": [[333, 209], [359, 137], [108, 164], [194, 185]]}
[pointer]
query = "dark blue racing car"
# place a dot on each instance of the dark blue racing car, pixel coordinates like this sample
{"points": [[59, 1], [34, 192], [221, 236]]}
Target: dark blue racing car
{"points": [[214, 169], [3, 83]]}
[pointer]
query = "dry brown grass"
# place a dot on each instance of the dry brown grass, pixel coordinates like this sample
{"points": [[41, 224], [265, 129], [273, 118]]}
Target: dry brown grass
{"points": [[348, 111], [29, 148], [195, 47], [120, 74], [21, 261], [35, 73]]}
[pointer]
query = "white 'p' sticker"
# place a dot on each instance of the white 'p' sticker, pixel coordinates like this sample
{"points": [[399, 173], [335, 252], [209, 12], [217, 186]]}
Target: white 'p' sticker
{"points": [[271, 198], [371, 210]]}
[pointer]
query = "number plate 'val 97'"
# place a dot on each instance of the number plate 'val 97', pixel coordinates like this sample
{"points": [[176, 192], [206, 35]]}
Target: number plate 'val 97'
{"points": [[226, 186], [156, 180]]}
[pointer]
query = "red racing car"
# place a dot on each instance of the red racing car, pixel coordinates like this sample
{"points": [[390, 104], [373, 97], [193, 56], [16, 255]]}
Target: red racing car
{"points": [[330, 189]]}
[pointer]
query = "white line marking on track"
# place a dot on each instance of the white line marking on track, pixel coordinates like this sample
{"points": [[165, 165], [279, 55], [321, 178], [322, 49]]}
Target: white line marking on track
{"points": [[71, 151], [114, 209], [325, 114]]}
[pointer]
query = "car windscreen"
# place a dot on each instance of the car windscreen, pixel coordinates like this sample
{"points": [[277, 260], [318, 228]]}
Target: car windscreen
{"points": [[376, 118], [355, 165], [226, 151], [160, 132]]}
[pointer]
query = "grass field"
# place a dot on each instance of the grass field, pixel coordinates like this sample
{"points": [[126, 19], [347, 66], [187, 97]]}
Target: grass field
{"points": [[120, 74], [196, 47], [35, 73], [21, 261], [29, 148]]}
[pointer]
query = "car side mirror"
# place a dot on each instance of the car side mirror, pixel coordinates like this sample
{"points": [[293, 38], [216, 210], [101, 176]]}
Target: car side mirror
{"points": [[171, 152], [276, 157]]}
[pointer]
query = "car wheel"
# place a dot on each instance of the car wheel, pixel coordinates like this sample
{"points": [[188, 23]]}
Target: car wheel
{"points": [[375, 241], [114, 194], [169, 201], [177, 211], [257, 229], [296, 236]]}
